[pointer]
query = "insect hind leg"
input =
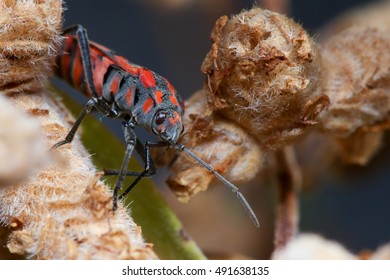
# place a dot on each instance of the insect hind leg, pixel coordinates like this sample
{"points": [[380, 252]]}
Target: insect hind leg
{"points": [[82, 41]]}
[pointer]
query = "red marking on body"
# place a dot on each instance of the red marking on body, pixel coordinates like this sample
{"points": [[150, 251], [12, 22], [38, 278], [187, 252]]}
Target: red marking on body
{"points": [[126, 65], [115, 84], [172, 97], [66, 58], [77, 70], [176, 119], [170, 87], [100, 65], [120, 61], [159, 96], [129, 97], [148, 105], [98, 46], [174, 100], [147, 78]]}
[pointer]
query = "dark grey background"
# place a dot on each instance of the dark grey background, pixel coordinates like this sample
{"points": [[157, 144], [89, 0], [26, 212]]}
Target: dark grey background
{"points": [[351, 206]]}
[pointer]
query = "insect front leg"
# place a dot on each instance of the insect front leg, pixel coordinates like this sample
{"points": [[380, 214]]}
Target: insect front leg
{"points": [[69, 137], [140, 149], [149, 165]]}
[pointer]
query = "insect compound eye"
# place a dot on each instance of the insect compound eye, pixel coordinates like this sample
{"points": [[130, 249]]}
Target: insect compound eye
{"points": [[160, 118]]}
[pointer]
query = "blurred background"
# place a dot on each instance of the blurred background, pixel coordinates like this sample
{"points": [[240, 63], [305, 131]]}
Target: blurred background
{"points": [[347, 204]]}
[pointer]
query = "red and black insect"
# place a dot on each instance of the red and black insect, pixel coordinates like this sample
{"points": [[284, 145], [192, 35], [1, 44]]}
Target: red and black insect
{"points": [[131, 93]]}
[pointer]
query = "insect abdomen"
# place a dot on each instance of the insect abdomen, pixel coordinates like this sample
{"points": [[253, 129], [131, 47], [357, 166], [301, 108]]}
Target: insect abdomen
{"points": [[70, 67]]}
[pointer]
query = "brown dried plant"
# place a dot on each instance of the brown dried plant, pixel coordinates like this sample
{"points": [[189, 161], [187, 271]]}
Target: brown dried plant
{"points": [[356, 82], [274, 84], [262, 77], [262, 73], [227, 147]]}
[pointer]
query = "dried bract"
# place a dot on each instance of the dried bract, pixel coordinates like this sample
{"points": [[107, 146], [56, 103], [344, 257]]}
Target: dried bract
{"points": [[262, 73], [222, 144]]}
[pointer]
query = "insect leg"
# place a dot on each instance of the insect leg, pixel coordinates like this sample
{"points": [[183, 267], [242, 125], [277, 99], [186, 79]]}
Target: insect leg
{"points": [[95, 102], [131, 140], [141, 151], [69, 137], [149, 165], [82, 39]]}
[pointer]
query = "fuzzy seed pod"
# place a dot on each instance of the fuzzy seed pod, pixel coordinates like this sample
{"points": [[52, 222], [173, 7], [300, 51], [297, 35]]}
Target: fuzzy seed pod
{"points": [[223, 145], [262, 73], [29, 35], [356, 79]]}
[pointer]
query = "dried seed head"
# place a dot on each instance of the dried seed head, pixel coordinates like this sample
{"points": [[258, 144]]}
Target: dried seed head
{"points": [[223, 145], [29, 34], [262, 73], [356, 79]]}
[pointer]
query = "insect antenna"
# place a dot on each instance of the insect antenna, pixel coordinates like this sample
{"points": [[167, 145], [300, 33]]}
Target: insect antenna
{"points": [[232, 187]]}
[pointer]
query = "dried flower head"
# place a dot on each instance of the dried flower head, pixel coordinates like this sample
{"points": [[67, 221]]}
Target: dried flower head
{"points": [[262, 73], [222, 144], [356, 79], [29, 34]]}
